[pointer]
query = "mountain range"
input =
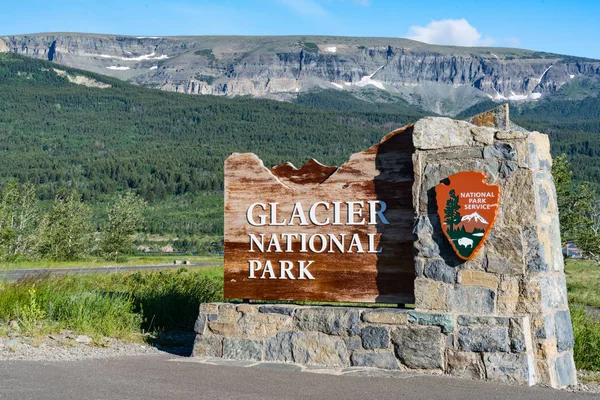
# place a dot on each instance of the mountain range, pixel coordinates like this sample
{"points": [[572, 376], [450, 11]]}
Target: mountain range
{"points": [[444, 80]]}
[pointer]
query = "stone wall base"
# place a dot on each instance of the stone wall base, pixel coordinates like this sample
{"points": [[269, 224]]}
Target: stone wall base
{"points": [[479, 347]]}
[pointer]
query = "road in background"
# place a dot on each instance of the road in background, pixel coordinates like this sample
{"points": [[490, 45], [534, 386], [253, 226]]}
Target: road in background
{"points": [[16, 274]]}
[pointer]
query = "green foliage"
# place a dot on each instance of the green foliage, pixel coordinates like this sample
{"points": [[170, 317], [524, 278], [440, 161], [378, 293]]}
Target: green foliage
{"points": [[64, 233], [125, 217], [208, 53], [451, 214], [205, 78], [117, 305], [310, 46], [576, 206], [19, 215], [586, 330]]}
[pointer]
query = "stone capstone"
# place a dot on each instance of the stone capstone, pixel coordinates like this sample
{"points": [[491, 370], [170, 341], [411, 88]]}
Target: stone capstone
{"points": [[440, 132]]}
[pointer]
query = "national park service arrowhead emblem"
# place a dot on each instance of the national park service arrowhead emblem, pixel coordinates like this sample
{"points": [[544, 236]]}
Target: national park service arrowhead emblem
{"points": [[468, 208]]}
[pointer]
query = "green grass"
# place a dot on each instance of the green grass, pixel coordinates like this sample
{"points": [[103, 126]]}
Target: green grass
{"points": [[583, 278], [118, 305], [96, 262]]}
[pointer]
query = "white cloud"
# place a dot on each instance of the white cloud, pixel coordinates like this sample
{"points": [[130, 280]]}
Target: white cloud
{"points": [[305, 7], [456, 32]]}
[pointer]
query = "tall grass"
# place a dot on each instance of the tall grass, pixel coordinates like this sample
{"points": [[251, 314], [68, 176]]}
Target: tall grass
{"points": [[586, 330], [118, 305]]}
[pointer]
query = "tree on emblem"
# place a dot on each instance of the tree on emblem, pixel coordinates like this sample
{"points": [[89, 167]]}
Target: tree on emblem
{"points": [[451, 215]]}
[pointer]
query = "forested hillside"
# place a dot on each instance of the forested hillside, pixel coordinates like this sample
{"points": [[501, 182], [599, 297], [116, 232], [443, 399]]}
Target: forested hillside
{"points": [[167, 147]]}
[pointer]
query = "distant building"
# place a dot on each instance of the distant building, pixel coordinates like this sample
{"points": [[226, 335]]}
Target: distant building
{"points": [[572, 251]]}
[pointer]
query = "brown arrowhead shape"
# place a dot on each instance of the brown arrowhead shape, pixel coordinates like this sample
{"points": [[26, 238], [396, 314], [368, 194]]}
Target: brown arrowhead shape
{"points": [[468, 208]]}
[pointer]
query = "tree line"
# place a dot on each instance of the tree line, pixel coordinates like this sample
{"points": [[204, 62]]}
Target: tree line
{"points": [[65, 231]]}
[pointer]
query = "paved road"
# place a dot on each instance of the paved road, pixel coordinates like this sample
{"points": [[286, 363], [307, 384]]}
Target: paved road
{"points": [[16, 274], [156, 377]]}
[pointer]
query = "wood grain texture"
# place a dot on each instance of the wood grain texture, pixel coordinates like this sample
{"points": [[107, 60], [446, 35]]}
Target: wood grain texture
{"points": [[383, 172]]}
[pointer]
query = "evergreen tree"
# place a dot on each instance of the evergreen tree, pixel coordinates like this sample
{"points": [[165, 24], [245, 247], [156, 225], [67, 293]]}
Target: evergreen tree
{"points": [[451, 215]]}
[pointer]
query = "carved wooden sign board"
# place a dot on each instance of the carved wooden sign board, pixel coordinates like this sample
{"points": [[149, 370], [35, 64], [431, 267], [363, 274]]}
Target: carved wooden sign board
{"points": [[322, 233]]}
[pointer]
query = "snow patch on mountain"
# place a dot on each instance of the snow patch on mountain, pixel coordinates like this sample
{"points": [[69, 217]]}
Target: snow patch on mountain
{"points": [[475, 216]]}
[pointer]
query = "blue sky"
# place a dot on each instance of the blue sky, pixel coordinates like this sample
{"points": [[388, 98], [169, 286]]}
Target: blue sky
{"points": [[567, 27]]}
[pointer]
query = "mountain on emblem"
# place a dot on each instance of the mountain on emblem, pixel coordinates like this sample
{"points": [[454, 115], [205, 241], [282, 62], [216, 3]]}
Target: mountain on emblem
{"points": [[467, 208]]}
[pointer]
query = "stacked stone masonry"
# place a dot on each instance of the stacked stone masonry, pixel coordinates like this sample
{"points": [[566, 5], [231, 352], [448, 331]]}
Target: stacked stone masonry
{"points": [[478, 347], [502, 316]]}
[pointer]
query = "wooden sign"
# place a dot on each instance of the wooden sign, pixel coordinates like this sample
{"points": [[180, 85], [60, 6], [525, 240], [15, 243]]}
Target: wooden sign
{"points": [[322, 233], [467, 208]]}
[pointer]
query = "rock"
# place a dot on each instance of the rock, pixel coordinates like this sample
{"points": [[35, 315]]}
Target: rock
{"points": [[478, 278], [375, 337], [277, 309], [84, 339], [209, 308], [564, 330], [536, 253], [208, 346], [509, 368], [440, 132], [483, 339], [420, 347], [374, 360], [200, 324], [247, 308], [431, 295], [546, 329], [484, 135], [14, 325], [263, 325], [472, 300], [221, 328], [319, 349], [519, 332], [565, 370], [503, 151], [438, 270], [338, 321], [242, 349], [495, 118], [353, 343], [279, 347], [465, 365], [385, 316], [507, 168], [505, 251], [445, 321], [467, 320], [425, 246]]}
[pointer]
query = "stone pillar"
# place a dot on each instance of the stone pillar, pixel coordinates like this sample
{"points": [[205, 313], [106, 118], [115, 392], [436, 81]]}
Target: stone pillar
{"points": [[514, 289]]}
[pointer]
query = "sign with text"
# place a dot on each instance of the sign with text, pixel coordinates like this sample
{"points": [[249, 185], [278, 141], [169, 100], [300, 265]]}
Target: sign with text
{"points": [[322, 233], [467, 207]]}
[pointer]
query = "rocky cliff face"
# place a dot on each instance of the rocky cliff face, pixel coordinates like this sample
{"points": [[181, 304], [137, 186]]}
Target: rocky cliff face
{"points": [[438, 78]]}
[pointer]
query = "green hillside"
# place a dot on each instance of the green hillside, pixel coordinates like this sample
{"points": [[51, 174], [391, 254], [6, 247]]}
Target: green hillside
{"points": [[162, 145]]}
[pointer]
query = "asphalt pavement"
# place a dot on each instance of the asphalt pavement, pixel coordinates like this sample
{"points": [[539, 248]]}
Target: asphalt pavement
{"points": [[168, 377]]}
